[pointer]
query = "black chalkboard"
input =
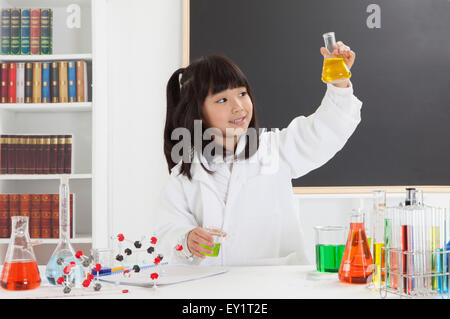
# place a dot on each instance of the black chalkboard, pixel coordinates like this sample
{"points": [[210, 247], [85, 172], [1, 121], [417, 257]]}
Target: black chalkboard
{"points": [[401, 74]]}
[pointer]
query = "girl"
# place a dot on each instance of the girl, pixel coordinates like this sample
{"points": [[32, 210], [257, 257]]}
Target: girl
{"points": [[242, 185]]}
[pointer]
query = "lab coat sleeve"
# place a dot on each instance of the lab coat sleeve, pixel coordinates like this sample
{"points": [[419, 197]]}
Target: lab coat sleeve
{"points": [[309, 142], [172, 222]]}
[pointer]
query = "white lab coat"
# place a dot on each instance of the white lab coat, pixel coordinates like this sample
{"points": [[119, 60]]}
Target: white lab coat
{"points": [[261, 215]]}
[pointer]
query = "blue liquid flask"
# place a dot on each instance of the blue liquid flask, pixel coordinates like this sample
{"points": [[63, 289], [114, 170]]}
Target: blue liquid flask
{"points": [[64, 253]]}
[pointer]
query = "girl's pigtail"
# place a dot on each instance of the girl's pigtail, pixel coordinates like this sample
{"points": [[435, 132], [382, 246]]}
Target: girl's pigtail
{"points": [[173, 89]]}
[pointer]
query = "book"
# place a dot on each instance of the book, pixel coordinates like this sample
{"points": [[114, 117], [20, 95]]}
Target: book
{"points": [[25, 32], [39, 153], [20, 82], [12, 83], [3, 154], [4, 216], [6, 31], [46, 155], [14, 208], [11, 154], [61, 149], [27, 154], [55, 215], [4, 83], [45, 82], [33, 151], [81, 78], [20, 148], [68, 154], [35, 30], [46, 216], [72, 78], [15, 31], [63, 87], [35, 220], [37, 82], [28, 82], [53, 154], [54, 86], [45, 31]]}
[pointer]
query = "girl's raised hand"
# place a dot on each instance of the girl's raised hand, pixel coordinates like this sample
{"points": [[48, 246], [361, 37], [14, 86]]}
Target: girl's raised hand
{"points": [[340, 51], [197, 237]]}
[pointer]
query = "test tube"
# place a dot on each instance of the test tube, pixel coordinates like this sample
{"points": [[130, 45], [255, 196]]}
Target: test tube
{"points": [[378, 236]]}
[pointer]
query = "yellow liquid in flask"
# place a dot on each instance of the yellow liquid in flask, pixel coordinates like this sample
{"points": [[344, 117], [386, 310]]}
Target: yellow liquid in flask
{"points": [[335, 70]]}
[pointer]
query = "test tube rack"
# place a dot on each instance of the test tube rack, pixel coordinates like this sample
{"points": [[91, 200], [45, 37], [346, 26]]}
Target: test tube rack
{"points": [[416, 252]]}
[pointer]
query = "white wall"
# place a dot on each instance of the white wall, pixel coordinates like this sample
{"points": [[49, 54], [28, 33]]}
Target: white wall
{"points": [[144, 49]]}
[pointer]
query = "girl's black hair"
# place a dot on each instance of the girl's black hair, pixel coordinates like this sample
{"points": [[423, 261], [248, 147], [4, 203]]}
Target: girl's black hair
{"points": [[185, 98]]}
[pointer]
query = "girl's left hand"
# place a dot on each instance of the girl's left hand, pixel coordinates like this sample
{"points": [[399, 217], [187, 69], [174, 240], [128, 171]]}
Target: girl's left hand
{"points": [[340, 51]]}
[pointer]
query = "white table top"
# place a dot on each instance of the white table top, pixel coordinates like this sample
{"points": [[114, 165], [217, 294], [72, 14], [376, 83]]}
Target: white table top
{"points": [[256, 282]]}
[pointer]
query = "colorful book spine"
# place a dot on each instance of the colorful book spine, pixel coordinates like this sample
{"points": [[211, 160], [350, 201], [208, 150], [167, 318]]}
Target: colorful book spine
{"points": [[67, 154], [20, 149], [46, 216], [3, 154], [72, 78], [6, 31], [15, 31], [63, 87], [54, 86], [35, 220], [11, 154], [4, 83], [14, 208], [35, 31], [4, 216], [45, 82], [20, 82], [81, 79], [12, 83], [37, 82], [28, 82], [61, 150], [32, 155], [25, 32], [39, 154], [55, 215], [46, 156], [53, 154], [46, 15]]}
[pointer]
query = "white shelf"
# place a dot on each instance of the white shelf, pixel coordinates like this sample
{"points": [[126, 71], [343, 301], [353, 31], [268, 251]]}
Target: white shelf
{"points": [[46, 57], [47, 107], [19, 177], [79, 239]]}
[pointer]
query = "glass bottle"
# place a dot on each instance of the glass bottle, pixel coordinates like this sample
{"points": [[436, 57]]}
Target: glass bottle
{"points": [[20, 271], [357, 262], [334, 68], [381, 227], [64, 254]]}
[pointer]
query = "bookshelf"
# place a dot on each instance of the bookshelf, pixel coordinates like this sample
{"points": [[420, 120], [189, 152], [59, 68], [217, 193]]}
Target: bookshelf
{"points": [[86, 121]]}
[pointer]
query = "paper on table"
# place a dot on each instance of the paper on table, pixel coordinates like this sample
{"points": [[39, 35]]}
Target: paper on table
{"points": [[167, 276]]}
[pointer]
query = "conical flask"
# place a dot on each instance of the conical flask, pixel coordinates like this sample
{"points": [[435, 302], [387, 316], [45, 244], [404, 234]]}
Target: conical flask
{"points": [[20, 270], [64, 254], [334, 68], [357, 263]]}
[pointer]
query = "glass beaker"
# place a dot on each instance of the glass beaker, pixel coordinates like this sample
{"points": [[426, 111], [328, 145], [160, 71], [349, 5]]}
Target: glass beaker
{"points": [[20, 271], [64, 254], [357, 262], [218, 236], [334, 68], [330, 245]]}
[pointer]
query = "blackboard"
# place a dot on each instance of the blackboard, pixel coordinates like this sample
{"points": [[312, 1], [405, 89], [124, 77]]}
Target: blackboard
{"points": [[401, 74]]}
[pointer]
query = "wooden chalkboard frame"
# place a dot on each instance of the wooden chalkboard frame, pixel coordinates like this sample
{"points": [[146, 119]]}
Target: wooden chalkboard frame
{"points": [[306, 190]]}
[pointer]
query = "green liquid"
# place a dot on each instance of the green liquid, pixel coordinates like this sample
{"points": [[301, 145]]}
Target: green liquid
{"points": [[215, 250], [328, 257]]}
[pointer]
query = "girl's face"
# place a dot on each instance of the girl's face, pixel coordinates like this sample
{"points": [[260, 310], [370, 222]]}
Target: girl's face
{"points": [[230, 109]]}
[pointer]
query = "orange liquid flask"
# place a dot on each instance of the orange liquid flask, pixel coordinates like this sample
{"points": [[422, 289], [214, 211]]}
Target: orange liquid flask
{"points": [[334, 68], [357, 263], [20, 271]]}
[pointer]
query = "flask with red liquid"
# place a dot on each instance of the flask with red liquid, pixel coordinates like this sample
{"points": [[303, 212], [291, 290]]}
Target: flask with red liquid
{"points": [[20, 270], [357, 263]]}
